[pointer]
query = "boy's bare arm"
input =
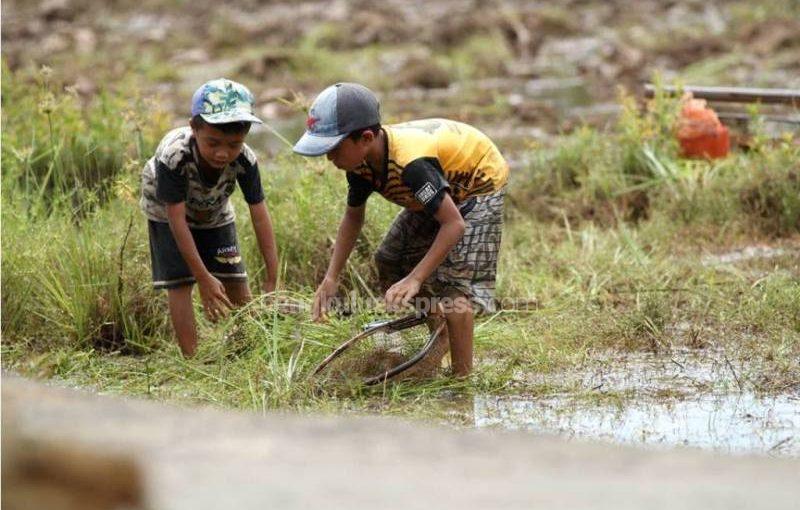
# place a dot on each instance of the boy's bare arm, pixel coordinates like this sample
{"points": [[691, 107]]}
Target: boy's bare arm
{"points": [[450, 231], [349, 228], [212, 292], [262, 225]]}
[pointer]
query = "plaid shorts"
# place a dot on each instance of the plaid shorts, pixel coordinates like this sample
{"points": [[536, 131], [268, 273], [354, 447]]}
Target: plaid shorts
{"points": [[471, 266]]}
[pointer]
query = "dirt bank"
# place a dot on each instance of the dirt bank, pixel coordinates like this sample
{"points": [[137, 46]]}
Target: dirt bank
{"points": [[211, 459]]}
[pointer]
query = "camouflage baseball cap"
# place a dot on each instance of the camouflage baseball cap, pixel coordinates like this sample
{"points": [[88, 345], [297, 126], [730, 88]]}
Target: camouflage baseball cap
{"points": [[221, 101]]}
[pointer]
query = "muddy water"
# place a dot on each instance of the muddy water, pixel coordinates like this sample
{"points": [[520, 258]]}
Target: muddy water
{"points": [[689, 398], [731, 423]]}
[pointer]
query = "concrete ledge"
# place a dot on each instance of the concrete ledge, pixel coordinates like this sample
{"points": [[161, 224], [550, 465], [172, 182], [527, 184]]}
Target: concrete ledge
{"points": [[206, 458]]}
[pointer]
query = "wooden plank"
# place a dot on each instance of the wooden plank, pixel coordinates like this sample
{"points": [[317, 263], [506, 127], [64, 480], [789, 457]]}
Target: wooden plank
{"points": [[745, 117], [734, 94]]}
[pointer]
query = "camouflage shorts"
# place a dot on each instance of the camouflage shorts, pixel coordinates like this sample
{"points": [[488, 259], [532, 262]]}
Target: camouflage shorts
{"points": [[471, 266]]}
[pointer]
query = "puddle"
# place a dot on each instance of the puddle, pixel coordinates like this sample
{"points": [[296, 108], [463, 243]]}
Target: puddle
{"points": [[730, 423], [688, 398]]}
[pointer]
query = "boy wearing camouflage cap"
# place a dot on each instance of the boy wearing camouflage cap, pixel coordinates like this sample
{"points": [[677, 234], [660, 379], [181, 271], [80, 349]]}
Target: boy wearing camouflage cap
{"points": [[186, 187], [449, 178]]}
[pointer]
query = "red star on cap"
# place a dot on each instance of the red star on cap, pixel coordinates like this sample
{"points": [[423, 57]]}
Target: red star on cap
{"points": [[310, 121]]}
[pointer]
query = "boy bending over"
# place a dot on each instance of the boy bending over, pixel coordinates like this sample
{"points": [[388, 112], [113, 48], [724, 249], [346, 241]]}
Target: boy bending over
{"points": [[450, 179], [185, 190]]}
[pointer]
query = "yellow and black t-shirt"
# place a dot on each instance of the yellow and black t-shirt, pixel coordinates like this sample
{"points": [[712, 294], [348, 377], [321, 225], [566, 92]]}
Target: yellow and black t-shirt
{"points": [[425, 158]]}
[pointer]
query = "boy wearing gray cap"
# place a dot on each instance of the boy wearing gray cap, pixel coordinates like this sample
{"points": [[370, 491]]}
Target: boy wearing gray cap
{"points": [[185, 191], [449, 178]]}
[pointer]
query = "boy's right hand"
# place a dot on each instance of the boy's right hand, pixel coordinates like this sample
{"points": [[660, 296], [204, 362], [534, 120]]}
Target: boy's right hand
{"points": [[325, 291], [215, 301]]}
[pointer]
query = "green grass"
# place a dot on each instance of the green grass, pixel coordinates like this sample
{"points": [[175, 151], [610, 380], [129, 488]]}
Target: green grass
{"points": [[603, 245]]}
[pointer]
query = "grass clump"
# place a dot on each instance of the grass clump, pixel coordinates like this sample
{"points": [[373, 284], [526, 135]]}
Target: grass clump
{"points": [[69, 171]]}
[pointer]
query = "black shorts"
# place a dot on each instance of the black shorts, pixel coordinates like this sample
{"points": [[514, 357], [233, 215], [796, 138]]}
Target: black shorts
{"points": [[218, 248]]}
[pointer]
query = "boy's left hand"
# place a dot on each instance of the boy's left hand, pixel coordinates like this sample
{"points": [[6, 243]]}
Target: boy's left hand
{"points": [[401, 293]]}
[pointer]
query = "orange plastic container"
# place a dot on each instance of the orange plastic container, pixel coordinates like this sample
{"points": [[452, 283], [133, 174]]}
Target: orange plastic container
{"points": [[700, 133], [711, 145]]}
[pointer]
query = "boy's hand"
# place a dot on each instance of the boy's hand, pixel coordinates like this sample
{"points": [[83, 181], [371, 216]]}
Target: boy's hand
{"points": [[215, 302], [325, 291], [401, 293]]}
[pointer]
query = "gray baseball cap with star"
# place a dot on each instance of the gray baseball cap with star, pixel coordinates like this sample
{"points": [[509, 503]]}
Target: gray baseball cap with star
{"points": [[336, 112]]}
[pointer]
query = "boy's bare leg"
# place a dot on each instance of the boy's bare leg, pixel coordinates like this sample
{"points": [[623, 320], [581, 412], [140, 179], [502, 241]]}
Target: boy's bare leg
{"points": [[238, 291], [182, 315], [460, 327]]}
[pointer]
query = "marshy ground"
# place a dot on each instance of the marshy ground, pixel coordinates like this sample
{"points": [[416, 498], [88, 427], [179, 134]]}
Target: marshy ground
{"points": [[646, 298]]}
